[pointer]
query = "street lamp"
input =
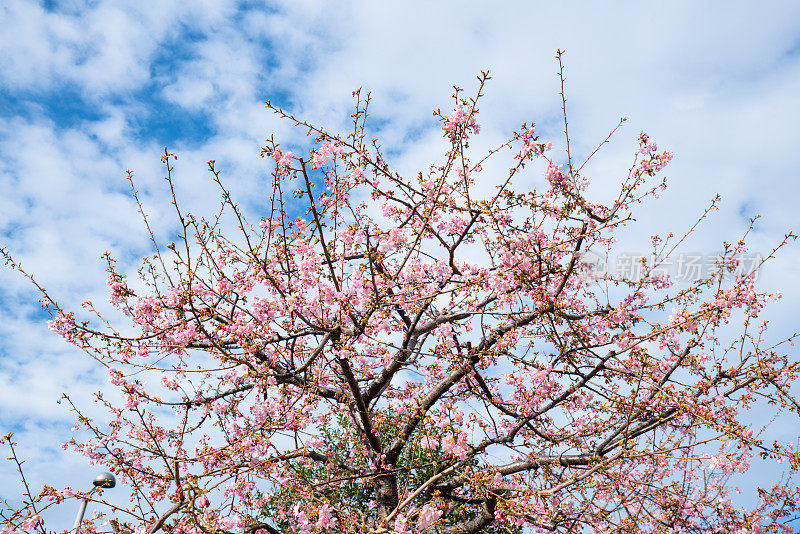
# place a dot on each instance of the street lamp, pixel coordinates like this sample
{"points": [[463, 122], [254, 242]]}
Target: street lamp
{"points": [[102, 480]]}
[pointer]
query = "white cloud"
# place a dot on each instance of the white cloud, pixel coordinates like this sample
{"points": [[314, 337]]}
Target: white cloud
{"points": [[718, 86]]}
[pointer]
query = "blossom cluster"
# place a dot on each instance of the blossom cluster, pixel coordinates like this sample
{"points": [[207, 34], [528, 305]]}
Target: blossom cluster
{"points": [[461, 123]]}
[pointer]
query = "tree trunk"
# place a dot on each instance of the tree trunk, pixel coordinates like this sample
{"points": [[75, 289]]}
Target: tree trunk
{"points": [[386, 498]]}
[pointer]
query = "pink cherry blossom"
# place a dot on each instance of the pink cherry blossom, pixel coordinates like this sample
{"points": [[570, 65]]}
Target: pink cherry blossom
{"points": [[428, 516], [461, 122], [376, 351]]}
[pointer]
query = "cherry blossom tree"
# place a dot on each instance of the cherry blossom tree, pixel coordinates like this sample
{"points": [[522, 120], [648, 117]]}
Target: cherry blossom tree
{"points": [[382, 353]]}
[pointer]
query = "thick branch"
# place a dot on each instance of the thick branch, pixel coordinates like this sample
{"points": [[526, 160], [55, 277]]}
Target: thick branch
{"points": [[453, 378], [473, 526], [361, 407]]}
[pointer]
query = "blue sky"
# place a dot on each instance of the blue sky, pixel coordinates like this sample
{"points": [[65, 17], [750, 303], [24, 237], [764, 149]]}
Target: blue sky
{"points": [[88, 89]]}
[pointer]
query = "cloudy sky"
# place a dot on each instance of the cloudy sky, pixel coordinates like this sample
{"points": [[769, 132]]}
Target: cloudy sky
{"points": [[88, 89]]}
